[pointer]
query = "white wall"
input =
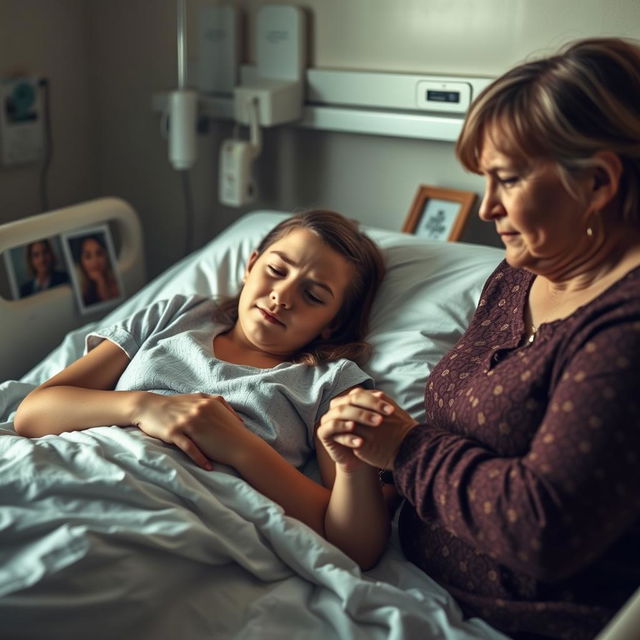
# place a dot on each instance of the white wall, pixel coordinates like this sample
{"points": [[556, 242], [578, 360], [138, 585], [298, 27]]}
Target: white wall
{"points": [[121, 52]]}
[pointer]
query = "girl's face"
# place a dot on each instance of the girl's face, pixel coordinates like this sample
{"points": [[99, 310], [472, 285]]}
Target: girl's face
{"points": [[41, 259], [291, 295], [542, 225], [93, 258]]}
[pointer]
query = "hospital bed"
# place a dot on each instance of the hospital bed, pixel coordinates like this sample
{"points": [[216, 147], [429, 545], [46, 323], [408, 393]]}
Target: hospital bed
{"points": [[106, 533]]}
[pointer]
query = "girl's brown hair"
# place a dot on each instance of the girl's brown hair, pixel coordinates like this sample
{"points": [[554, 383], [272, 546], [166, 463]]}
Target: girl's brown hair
{"points": [[565, 108], [351, 323]]}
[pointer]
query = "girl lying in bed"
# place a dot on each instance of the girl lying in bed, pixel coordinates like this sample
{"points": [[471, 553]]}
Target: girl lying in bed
{"points": [[265, 364]]}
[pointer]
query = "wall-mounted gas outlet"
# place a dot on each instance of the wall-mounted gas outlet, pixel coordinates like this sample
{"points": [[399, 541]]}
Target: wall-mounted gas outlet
{"points": [[22, 130], [236, 186]]}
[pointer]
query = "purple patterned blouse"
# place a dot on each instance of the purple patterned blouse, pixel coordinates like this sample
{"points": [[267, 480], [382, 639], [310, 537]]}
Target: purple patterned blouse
{"points": [[523, 486]]}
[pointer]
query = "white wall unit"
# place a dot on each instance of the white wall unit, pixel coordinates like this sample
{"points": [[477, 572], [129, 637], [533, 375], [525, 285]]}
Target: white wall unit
{"points": [[394, 91], [370, 103]]}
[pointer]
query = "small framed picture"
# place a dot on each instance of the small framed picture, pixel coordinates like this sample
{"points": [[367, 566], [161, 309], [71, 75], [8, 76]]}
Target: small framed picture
{"points": [[94, 270], [35, 267], [439, 214]]}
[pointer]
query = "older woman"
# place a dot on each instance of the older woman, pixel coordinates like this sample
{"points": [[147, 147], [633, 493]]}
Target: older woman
{"points": [[522, 486]]}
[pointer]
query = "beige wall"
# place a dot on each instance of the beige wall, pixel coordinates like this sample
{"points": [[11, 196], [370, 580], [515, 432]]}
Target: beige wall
{"points": [[48, 38], [118, 53]]}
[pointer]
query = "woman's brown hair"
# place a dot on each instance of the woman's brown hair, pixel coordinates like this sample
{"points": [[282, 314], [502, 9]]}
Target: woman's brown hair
{"points": [[566, 108], [351, 323]]}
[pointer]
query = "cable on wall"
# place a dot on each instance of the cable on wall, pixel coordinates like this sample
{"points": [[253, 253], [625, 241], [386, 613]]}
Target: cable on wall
{"points": [[48, 144]]}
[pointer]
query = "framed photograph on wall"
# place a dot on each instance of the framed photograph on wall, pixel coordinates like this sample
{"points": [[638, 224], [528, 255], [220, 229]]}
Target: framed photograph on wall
{"points": [[92, 264], [439, 214], [35, 267]]}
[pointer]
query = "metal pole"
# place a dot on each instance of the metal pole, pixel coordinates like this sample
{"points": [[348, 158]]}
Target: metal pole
{"points": [[182, 43]]}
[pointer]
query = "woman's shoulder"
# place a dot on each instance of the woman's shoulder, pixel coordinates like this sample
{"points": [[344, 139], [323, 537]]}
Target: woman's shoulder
{"points": [[504, 284], [618, 305]]}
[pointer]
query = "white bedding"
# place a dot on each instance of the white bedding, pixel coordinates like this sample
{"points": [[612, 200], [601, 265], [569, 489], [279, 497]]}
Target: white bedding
{"points": [[106, 533]]}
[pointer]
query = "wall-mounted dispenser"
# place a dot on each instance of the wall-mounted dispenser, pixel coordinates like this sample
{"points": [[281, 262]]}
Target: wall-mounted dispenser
{"points": [[273, 94], [183, 105], [278, 82]]}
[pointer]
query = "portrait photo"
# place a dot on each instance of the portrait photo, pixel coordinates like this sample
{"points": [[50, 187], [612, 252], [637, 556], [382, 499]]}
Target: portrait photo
{"points": [[94, 272], [439, 214], [35, 267]]}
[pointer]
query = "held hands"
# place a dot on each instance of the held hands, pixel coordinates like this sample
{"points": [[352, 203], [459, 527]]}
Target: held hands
{"points": [[203, 426], [364, 425]]}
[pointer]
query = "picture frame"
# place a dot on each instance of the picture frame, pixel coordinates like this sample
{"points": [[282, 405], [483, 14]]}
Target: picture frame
{"points": [[439, 214], [91, 260], [35, 267]]}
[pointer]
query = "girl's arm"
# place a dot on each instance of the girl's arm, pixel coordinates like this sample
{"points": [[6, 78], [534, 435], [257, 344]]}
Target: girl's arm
{"points": [[357, 519], [352, 513], [83, 396], [78, 397], [358, 515]]}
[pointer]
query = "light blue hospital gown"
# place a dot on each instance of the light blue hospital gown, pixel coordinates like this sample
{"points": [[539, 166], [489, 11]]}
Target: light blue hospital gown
{"points": [[170, 345]]}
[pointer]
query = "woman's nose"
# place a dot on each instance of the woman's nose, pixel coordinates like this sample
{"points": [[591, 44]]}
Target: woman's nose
{"points": [[490, 206]]}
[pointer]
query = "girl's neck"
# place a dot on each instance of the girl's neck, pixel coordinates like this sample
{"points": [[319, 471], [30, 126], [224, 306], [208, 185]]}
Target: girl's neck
{"points": [[227, 349]]}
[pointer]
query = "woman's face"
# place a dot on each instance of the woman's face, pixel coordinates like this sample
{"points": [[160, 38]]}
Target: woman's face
{"points": [[93, 259], [41, 259], [541, 224]]}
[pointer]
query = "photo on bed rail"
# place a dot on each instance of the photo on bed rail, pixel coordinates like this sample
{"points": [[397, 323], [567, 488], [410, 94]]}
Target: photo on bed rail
{"points": [[35, 267], [110, 523], [91, 260]]}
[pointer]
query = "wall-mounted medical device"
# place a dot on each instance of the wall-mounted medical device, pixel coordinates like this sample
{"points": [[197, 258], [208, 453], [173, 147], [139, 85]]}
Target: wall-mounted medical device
{"points": [[272, 94], [277, 84], [183, 105], [280, 90], [22, 127]]}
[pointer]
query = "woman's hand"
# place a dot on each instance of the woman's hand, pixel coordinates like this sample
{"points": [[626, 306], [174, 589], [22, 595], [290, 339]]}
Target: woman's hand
{"points": [[203, 426], [369, 423], [342, 456]]}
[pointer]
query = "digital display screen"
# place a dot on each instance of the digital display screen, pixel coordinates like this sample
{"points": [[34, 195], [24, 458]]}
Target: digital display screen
{"points": [[434, 95]]}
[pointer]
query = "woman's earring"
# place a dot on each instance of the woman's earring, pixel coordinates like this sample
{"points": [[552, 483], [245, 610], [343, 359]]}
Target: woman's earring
{"points": [[590, 232]]}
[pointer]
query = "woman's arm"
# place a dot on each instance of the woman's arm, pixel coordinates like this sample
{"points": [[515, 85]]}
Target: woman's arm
{"points": [[535, 512]]}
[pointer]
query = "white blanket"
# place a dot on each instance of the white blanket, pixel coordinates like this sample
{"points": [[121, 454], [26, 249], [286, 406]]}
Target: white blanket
{"points": [[107, 533]]}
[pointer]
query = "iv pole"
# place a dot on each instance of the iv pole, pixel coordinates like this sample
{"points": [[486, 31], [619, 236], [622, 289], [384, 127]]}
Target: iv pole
{"points": [[183, 113], [183, 106]]}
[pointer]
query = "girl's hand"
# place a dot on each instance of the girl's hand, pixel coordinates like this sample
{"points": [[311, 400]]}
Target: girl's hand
{"points": [[369, 423], [342, 456], [191, 422]]}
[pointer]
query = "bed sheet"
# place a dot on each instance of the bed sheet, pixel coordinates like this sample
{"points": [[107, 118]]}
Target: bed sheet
{"points": [[108, 533]]}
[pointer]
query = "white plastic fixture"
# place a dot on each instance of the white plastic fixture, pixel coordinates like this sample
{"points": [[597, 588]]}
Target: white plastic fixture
{"points": [[183, 105], [279, 79], [218, 49], [183, 113]]}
